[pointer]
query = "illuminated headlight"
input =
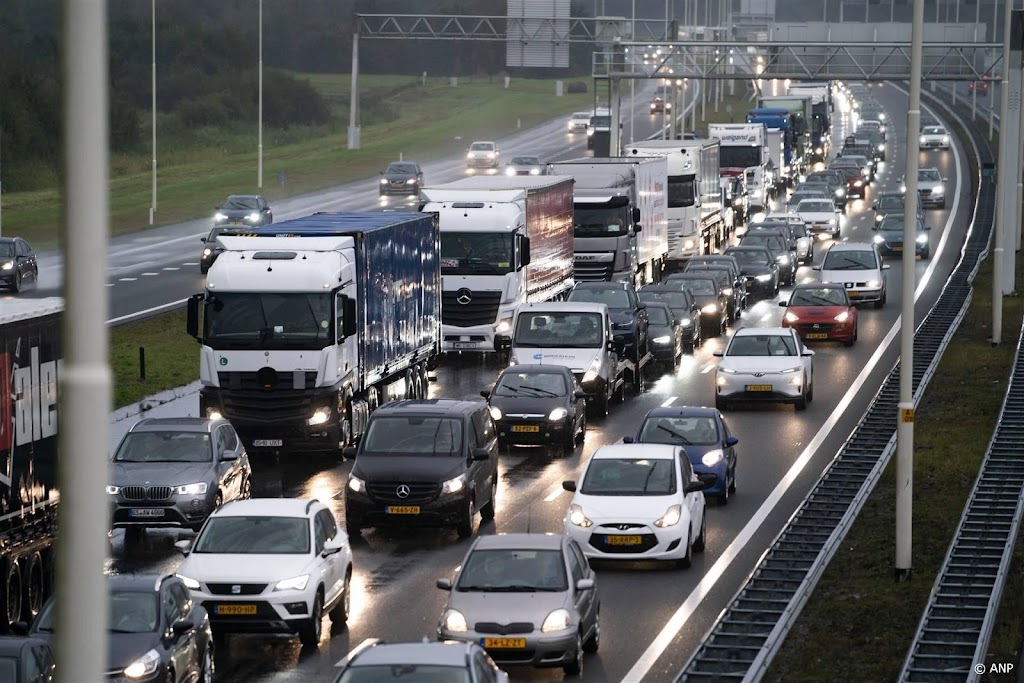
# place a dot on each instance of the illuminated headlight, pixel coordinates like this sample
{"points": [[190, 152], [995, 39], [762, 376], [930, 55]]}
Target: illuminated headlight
{"points": [[491, 155], [577, 517], [756, 194], [822, 236], [662, 340], [455, 622], [878, 239], [590, 131], [728, 371], [763, 278], [881, 129], [727, 291], [791, 317], [469, 156], [196, 489], [504, 325], [356, 484], [668, 105], [803, 243], [319, 417], [840, 192], [922, 239], [903, 187], [879, 217], [818, 150], [454, 485], [831, 221], [688, 244], [685, 322], [411, 181], [214, 414], [534, 171], [558, 620], [296, 583], [9, 265], [510, 171], [881, 116], [712, 458], [113, 490], [189, 582], [783, 260], [558, 414], [796, 381], [670, 518], [710, 308], [253, 217], [206, 252], [383, 181], [144, 666], [881, 147], [219, 217], [842, 317], [589, 376], [874, 283], [495, 413], [859, 183], [945, 139], [866, 170], [923, 139], [939, 189]]}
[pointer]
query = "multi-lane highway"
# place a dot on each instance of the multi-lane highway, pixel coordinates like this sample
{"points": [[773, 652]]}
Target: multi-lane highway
{"points": [[652, 617]]}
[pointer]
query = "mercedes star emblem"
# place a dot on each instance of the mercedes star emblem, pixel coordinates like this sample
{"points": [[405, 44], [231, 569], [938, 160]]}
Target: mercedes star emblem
{"points": [[464, 296], [402, 491]]}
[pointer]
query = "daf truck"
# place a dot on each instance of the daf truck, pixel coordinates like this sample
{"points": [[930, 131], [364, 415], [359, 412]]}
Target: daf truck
{"points": [[307, 326], [620, 223], [744, 153], [505, 241], [821, 125]]}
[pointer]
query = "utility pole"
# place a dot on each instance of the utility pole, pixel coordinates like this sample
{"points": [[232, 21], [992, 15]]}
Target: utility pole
{"points": [[85, 383], [152, 204], [905, 407], [614, 101], [353, 104], [259, 150]]}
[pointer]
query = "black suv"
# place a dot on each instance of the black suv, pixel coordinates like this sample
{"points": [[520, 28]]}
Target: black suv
{"points": [[628, 314], [424, 463]]}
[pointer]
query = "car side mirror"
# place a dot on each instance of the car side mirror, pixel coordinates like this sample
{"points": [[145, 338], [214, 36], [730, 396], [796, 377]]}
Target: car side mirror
{"points": [[628, 439], [184, 546], [719, 354], [228, 455], [945, 180], [444, 584], [783, 304], [815, 267], [181, 627], [332, 546], [348, 452], [731, 441], [807, 353], [481, 454], [203, 240], [569, 485], [585, 585], [885, 267], [485, 393]]}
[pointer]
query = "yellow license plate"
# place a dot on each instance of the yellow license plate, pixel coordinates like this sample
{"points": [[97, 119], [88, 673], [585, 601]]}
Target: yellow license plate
{"points": [[759, 387], [504, 643], [236, 610], [525, 428], [817, 335], [624, 540], [403, 509]]}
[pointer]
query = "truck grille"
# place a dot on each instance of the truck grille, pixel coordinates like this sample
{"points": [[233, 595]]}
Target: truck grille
{"points": [[481, 309], [145, 492], [387, 492], [593, 271], [259, 406], [248, 381]]}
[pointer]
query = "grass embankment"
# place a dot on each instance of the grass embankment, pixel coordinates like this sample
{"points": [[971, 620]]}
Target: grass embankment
{"points": [[400, 115], [172, 357]]}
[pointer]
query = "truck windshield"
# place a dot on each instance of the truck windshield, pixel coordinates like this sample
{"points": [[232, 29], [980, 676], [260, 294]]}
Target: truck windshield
{"points": [[559, 330], [680, 191], [476, 253], [268, 320], [599, 222], [739, 157]]}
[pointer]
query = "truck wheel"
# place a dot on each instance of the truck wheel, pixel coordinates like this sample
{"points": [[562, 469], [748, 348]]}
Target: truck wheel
{"points": [[11, 595], [638, 379], [32, 601]]}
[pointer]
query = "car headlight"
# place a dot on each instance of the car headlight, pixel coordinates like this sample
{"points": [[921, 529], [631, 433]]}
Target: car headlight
{"points": [[797, 381], [534, 171], [144, 666], [558, 414], [411, 181], [504, 325], [923, 139], [558, 620], [454, 621], [726, 370], [878, 239], [840, 192], [383, 181], [469, 156], [710, 308], [685, 322], [842, 317], [922, 239], [319, 417], [727, 291], [356, 484], [8, 265], [189, 582], [577, 517], [789, 371], [791, 317], [945, 139], [818, 150], [296, 583], [253, 217], [662, 340], [859, 183], [196, 489], [763, 278], [670, 518], [938, 190], [454, 485], [219, 217], [874, 283], [756, 194], [206, 252], [113, 490], [712, 458], [783, 260], [590, 131], [510, 171], [903, 188], [881, 116], [591, 374], [831, 221], [491, 155], [879, 217], [214, 414], [866, 170], [881, 147], [495, 412]]}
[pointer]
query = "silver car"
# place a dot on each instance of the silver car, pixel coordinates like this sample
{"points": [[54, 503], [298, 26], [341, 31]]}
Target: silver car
{"points": [[174, 472], [527, 598], [525, 166], [482, 154], [934, 137], [931, 188]]}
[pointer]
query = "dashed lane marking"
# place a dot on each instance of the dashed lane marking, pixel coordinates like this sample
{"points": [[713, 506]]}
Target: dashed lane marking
{"points": [[127, 279], [150, 274], [669, 401], [172, 268], [707, 368], [555, 493]]}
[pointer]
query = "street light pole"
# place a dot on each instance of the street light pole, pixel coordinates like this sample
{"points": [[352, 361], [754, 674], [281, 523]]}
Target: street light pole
{"points": [[905, 407], [259, 150], [632, 81], [152, 204]]}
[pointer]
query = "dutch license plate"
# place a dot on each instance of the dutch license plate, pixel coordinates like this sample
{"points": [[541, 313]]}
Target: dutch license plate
{"points": [[817, 335], [623, 540], [146, 512], [759, 387], [503, 643], [750, 285], [896, 248], [236, 610], [403, 509], [267, 443], [525, 428], [465, 345]]}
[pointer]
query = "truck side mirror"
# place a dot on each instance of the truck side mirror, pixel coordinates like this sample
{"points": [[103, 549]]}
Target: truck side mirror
{"points": [[637, 227], [524, 252], [502, 342], [636, 215], [192, 317], [348, 317]]}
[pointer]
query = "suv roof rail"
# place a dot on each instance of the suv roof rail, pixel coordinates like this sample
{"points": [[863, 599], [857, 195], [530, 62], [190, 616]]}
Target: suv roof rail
{"points": [[358, 650]]}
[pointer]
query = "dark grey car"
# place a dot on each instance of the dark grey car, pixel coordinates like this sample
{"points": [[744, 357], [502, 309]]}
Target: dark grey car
{"points": [[401, 177], [244, 209], [173, 472]]}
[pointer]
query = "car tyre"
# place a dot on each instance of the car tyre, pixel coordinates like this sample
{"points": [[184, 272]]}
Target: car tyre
{"points": [[583, 428], [723, 497], [17, 282], [207, 671], [801, 403], [686, 560], [575, 667], [594, 641], [339, 615], [732, 484], [700, 541], [309, 632], [487, 511], [465, 526]]}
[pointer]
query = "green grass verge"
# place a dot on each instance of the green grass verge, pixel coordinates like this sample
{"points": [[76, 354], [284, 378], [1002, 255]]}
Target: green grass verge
{"points": [[198, 169], [172, 357]]}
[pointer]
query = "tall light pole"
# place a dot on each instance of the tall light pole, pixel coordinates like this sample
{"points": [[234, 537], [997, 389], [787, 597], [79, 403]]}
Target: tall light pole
{"points": [[152, 204], [259, 148], [632, 81]]}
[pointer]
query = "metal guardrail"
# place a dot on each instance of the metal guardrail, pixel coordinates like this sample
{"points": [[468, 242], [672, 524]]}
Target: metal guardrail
{"points": [[749, 632]]}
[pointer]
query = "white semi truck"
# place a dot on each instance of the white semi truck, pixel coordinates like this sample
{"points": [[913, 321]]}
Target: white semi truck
{"points": [[744, 153], [620, 220], [505, 241]]}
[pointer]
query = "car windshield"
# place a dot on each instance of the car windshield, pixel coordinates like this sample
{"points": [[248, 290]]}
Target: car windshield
{"points": [[6, 249], [531, 384], [268, 321], [526, 161], [412, 435], [658, 316], [773, 242], [165, 446], [850, 260], [402, 168], [720, 274], [674, 299], [929, 174], [890, 203], [476, 253], [559, 330], [894, 223], [696, 286], [129, 612], [819, 296], [239, 203], [804, 196], [813, 206], [798, 230], [685, 431], [228, 535], [513, 571], [613, 297], [404, 673], [629, 477], [761, 345], [750, 257], [934, 130], [584, 115], [482, 147]]}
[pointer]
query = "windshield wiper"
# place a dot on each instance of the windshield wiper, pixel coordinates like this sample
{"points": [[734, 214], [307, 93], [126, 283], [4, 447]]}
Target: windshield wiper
{"points": [[545, 392], [676, 434]]}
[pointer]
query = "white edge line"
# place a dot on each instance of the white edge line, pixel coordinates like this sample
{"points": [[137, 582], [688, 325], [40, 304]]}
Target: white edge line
{"points": [[669, 401], [555, 493], [678, 620], [139, 314]]}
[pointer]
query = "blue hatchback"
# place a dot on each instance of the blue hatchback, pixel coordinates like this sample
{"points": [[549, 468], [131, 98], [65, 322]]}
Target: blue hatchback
{"points": [[703, 434]]}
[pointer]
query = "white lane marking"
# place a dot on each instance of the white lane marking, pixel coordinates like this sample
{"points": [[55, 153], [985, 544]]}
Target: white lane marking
{"points": [[766, 317], [150, 274], [676, 622], [139, 314], [110, 284], [191, 263], [154, 245], [128, 279], [707, 368], [555, 493], [669, 401], [172, 268]]}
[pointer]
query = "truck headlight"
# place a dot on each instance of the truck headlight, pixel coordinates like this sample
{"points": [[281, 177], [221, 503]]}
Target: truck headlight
{"points": [[670, 518], [504, 325], [577, 517], [495, 412], [662, 340], [454, 485], [319, 417], [922, 239], [296, 583], [558, 414], [197, 489], [712, 458], [688, 244], [356, 485]]}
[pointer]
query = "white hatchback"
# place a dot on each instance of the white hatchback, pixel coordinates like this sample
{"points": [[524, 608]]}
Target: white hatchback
{"points": [[270, 565], [820, 216], [764, 364], [638, 502], [858, 267]]}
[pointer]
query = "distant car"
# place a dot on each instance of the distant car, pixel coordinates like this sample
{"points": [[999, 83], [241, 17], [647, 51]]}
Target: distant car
{"points": [[802, 238], [877, 143], [703, 434], [538, 405], [579, 121], [401, 177], [727, 283], [270, 565], [931, 188], [801, 194], [764, 364], [836, 182], [778, 246], [527, 599], [857, 176], [708, 294], [244, 209], [450, 661], [684, 308], [629, 319], [26, 660], [211, 250], [889, 236], [759, 268], [934, 137], [18, 264], [890, 202], [666, 335], [821, 312], [156, 632], [176, 471], [858, 267], [482, 154], [731, 263], [525, 166], [659, 105], [600, 122], [638, 502], [820, 216]]}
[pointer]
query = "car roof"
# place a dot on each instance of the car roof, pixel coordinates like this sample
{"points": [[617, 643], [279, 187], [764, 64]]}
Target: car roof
{"points": [[268, 507], [688, 275], [818, 285], [851, 246], [243, 196], [13, 645], [563, 307], [755, 331], [601, 285], [519, 541], [436, 407], [136, 582], [747, 247], [177, 424], [536, 369], [656, 451], [438, 654], [682, 411], [6, 240], [662, 287]]}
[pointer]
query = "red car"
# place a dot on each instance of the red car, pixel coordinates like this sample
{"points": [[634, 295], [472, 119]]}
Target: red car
{"points": [[821, 312]]}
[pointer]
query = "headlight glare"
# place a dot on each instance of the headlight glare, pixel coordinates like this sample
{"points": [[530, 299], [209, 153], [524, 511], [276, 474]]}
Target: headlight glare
{"points": [[662, 340], [319, 417], [922, 239], [219, 216], [454, 485], [9, 265], [495, 412], [670, 518], [356, 484], [196, 489], [842, 317], [763, 278], [710, 308], [558, 620], [558, 414], [455, 622], [577, 517], [113, 490], [878, 239], [144, 666], [791, 317], [189, 582], [712, 458], [296, 583]]}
